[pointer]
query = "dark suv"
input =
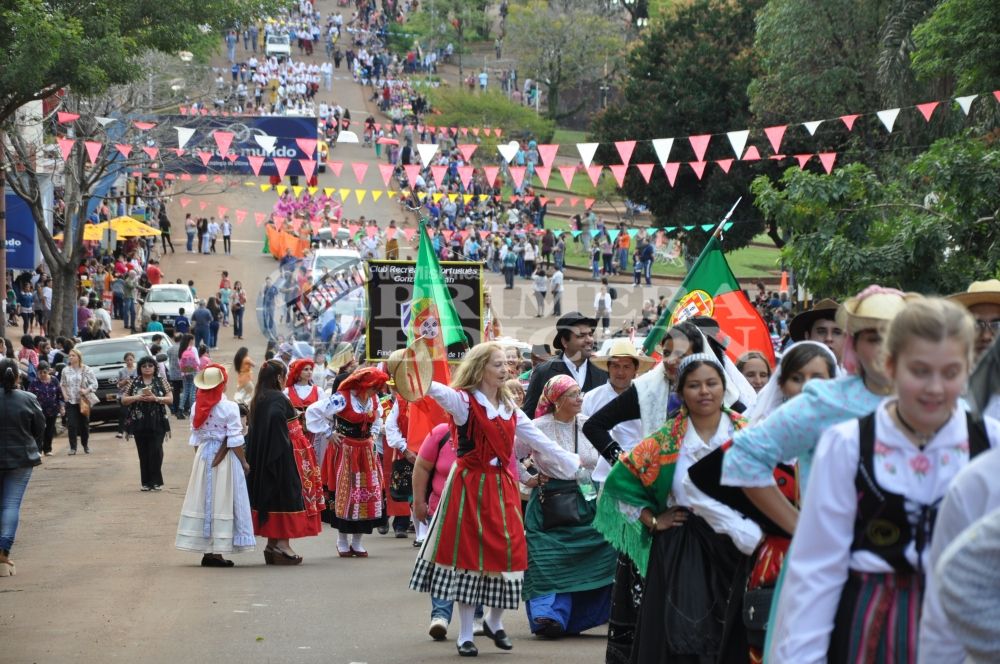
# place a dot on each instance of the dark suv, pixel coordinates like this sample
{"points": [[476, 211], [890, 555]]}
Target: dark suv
{"points": [[105, 357]]}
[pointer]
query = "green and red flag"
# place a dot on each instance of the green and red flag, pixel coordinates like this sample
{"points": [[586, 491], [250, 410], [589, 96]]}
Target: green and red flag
{"points": [[432, 317], [711, 290]]}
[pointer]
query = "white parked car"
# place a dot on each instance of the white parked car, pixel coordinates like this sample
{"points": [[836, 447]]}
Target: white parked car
{"points": [[332, 260], [278, 45], [166, 301]]}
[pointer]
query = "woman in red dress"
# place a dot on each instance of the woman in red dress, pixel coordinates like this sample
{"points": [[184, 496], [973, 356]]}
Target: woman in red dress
{"points": [[284, 481], [475, 552], [351, 418]]}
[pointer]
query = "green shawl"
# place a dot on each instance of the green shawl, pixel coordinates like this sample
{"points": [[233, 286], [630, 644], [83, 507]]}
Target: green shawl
{"points": [[643, 478]]}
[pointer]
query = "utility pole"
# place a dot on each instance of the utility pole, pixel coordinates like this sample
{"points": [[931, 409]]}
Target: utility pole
{"points": [[3, 230]]}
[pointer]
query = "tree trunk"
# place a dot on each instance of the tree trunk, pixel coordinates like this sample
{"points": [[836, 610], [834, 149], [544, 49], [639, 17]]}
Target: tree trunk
{"points": [[63, 301], [3, 233], [552, 109]]}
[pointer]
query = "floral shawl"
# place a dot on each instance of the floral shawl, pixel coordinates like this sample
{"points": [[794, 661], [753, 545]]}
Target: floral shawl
{"points": [[643, 478]]}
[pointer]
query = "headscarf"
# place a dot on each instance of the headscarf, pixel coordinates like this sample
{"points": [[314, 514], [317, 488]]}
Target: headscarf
{"points": [[205, 400], [296, 368], [769, 398], [554, 388], [362, 379]]}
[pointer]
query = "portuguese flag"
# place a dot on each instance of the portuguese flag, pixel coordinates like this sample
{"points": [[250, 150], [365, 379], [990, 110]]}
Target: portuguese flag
{"points": [[434, 318], [711, 290]]}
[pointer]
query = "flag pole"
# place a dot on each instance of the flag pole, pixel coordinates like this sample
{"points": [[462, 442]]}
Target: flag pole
{"points": [[718, 229]]}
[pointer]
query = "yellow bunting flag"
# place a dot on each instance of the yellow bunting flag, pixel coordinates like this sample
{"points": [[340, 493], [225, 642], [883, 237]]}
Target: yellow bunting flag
{"points": [[328, 191], [421, 196], [249, 184], [297, 190], [482, 197], [466, 198], [265, 187], [392, 194], [281, 189], [452, 197], [344, 193], [360, 195], [377, 194], [313, 190], [437, 197]]}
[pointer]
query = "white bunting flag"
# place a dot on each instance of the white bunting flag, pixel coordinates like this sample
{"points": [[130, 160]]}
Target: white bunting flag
{"points": [[966, 102], [888, 118], [738, 139], [184, 135], [587, 151], [266, 142], [426, 152], [663, 146], [811, 127]]}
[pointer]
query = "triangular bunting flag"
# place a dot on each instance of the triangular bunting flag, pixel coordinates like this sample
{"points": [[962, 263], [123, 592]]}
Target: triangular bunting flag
{"points": [[184, 135], [344, 193], [65, 118], [426, 152], [104, 121], [774, 135], [752, 154], [467, 149], [386, 171], [360, 194], [412, 173], [698, 167], [738, 139], [256, 161], [588, 203], [205, 157], [202, 204], [559, 201], [625, 149], [966, 102], [308, 167], [93, 149], [151, 151], [185, 202], [595, 173], [567, 173], [811, 127], [124, 149], [517, 174], [848, 121], [259, 217], [144, 126], [307, 145], [178, 151], [544, 173], [586, 151], [547, 153], [700, 145], [888, 117], [65, 147], [360, 169], [491, 174], [803, 159], [266, 142], [281, 164], [377, 194], [927, 110], [618, 170], [465, 174], [671, 169], [827, 159], [438, 173], [222, 211], [646, 170], [223, 139], [725, 164], [335, 167]]}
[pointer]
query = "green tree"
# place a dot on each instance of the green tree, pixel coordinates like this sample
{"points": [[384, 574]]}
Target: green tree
{"points": [[688, 75], [51, 45], [930, 228], [458, 20], [490, 108], [960, 41], [564, 50]]}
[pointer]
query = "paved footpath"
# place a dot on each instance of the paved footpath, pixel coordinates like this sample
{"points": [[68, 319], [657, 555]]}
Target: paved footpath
{"points": [[99, 579]]}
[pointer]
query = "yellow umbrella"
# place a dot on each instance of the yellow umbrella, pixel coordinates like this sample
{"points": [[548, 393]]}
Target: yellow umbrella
{"points": [[91, 232], [129, 227]]}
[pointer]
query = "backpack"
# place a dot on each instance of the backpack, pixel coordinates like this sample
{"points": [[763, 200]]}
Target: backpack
{"points": [[613, 292], [188, 362]]}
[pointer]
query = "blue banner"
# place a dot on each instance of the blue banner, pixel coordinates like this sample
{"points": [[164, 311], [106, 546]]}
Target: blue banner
{"points": [[284, 129], [21, 234]]}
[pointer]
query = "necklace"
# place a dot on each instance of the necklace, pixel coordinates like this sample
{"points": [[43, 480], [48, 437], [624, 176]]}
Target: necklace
{"points": [[922, 438]]}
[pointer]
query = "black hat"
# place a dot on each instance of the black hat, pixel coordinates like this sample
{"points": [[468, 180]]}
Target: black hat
{"points": [[567, 321], [802, 323]]}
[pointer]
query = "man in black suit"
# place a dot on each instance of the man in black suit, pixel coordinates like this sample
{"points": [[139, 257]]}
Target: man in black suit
{"points": [[575, 341]]}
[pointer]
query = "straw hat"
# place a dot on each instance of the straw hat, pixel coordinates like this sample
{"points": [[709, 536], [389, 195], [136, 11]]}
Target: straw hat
{"points": [[340, 355], [801, 325], [210, 378], [979, 292], [622, 347], [872, 312], [411, 370]]}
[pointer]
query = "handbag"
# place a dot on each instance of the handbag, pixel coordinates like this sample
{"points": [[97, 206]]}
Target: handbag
{"points": [[84, 408], [756, 611], [401, 480], [560, 507]]}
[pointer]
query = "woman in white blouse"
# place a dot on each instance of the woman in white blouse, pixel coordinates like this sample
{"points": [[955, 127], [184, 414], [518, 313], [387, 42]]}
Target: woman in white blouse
{"points": [[855, 574], [78, 382], [571, 567], [475, 552]]}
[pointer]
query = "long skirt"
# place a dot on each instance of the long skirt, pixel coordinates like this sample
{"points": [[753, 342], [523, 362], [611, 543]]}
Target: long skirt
{"points": [[475, 551], [570, 569], [625, 602], [877, 619], [393, 507], [353, 477], [215, 516], [691, 570], [307, 523]]}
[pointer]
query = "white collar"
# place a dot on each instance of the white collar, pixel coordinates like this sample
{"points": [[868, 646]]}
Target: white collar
{"points": [[504, 411], [693, 442], [578, 374]]}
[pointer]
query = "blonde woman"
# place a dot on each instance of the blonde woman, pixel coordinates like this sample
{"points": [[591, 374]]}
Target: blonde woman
{"points": [[78, 382], [475, 552]]}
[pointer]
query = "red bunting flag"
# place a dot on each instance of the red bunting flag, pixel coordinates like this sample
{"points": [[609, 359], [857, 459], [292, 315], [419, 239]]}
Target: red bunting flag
{"points": [[803, 159], [151, 151], [202, 204], [438, 173], [93, 149], [177, 151], [567, 173], [700, 144], [259, 217], [386, 171], [65, 118], [725, 164], [408, 233], [595, 173], [281, 164], [465, 175], [544, 173], [202, 178], [335, 167], [559, 201], [774, 135], [232, 156], [308, 167], [848, 121], [217, 179], [223, 139], [671, 168], [240, 216], [588, 203], [412, 173], [618, 170], [573, 201], [827, 159], [625, 149], [185, 202], [646, 170], [752, 154], [256, 161], [517, 174], [491, 174], [927, 110], [205, 157], [185, 176], [467, 149], [144, 126], [222, 210], [698, 167], [475, 131], [547, 153], [307, 145], [360, 169], [497, 132], [124, 149], [65, 147]]}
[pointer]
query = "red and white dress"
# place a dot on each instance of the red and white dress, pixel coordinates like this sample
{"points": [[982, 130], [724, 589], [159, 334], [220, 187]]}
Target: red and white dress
{"points": [[475, 552], [351, 472]]}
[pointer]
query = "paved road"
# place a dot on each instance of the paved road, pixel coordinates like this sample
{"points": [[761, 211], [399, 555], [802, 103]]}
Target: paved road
{"points": [[98, 577]]}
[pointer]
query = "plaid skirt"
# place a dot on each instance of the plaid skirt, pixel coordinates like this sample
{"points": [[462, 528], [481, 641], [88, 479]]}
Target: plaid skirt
{"points": [[468, 586], [877, 619]]}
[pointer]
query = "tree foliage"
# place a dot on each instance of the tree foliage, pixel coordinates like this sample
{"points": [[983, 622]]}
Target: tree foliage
{"points": [[960, 41], [489, 108], [564, 50], [689, 75], [931, 228]]}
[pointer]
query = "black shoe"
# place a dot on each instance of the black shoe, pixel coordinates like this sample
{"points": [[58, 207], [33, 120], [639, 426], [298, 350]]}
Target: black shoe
{"points": [[146, 488], [86, 449], [467, 649], [549, 628], [400, 534], [500, 638], [211, 561], [382, 530]]}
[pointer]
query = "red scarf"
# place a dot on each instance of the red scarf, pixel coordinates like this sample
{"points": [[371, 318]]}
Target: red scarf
{"points": [[205, 400]]}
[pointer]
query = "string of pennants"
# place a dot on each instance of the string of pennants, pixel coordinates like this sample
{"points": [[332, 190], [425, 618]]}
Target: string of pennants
{"points": [[662, 147]]}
